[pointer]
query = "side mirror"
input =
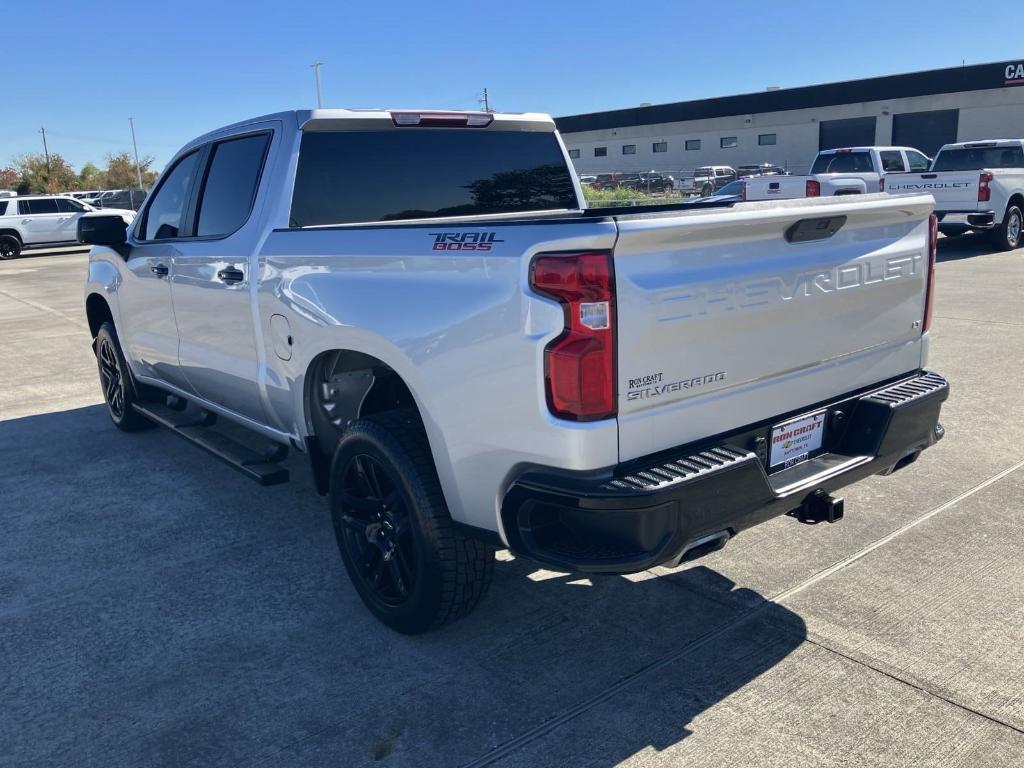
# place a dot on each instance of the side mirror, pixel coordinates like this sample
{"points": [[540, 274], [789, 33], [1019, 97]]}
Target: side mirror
{"points": [[110, 231]]}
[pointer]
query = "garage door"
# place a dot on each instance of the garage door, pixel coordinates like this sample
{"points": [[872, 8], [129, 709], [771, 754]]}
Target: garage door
{"points": [[852, 132], [926, 131]]}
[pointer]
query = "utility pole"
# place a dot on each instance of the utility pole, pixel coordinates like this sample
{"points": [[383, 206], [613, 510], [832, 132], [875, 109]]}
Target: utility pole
{"points": [[46, 150], [485, 102], [315, 66], [138, 166]]}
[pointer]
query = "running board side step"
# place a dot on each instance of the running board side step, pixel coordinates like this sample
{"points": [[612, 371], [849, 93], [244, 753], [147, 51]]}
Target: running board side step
{"points": [[261, 467]]}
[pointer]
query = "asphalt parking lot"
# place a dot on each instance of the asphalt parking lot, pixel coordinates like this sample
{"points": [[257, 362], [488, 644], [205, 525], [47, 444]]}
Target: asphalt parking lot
{"points": [[158, 609]]}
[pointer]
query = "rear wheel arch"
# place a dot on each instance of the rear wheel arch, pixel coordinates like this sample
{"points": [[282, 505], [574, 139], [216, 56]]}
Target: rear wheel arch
{"points": [[13, 233], [341, 386]]}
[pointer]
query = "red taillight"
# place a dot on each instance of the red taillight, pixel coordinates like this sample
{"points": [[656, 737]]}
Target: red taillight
{"points": [[442, 119], [881, 183], [984, 190], [743, 190], [579, 366], [933, 249], [812, 188]]}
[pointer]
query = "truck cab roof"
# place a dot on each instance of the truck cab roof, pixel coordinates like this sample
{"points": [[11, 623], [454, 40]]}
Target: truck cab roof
{"points": [[842, 150]]}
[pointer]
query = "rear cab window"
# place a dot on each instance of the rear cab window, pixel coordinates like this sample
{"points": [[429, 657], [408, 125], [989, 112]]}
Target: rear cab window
{"points": [[3, 207], [402, 174], [976, 158], [892, 161], [843, 162]]}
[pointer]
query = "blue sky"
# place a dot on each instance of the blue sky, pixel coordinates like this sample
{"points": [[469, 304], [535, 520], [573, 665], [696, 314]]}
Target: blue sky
{"points": [[182, 68]]}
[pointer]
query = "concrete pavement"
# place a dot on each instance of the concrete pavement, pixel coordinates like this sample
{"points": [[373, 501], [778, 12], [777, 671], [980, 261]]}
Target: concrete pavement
{"points": [[158, 609]]}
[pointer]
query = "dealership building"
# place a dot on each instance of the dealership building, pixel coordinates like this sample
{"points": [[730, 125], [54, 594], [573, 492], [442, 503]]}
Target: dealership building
{"points": [[788, 126]]}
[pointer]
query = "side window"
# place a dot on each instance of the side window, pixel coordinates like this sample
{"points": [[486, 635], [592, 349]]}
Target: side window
{"points": [[166, 211], [67, 205], [918, 162], [3, 207], [37, 207], [892, 161], [230, 186]]}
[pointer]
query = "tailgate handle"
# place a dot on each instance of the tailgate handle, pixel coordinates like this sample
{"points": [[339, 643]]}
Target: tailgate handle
{"points": [[807, 230], [929, 175]]}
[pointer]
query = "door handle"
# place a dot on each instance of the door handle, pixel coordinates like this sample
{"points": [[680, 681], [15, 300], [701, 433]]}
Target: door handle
{"points": [[231, 275], [26, 221], [160, 270]]}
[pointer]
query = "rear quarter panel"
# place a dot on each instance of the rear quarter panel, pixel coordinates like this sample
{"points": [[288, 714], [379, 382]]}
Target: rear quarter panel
{"points": [[460, 327]]}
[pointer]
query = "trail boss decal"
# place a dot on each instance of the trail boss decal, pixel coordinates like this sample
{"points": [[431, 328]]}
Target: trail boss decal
{"points": [[1015, 74], [464, 241]]}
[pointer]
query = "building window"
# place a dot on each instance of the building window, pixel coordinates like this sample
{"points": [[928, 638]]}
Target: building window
{"points": [[574, 154], [728, 142], [600, 151], [661, 146], [766, 139], [629, 149], [692, 144]]}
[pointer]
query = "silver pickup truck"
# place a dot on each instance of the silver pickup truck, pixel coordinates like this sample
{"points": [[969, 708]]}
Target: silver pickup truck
{"points": [[420, 303]]}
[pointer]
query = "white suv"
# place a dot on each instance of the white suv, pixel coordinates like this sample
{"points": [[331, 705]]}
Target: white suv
{"points": [[28, 221]]}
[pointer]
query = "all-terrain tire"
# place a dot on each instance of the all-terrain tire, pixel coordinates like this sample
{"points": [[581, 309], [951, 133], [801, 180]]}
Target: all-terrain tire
{"points": [[444, 572]]}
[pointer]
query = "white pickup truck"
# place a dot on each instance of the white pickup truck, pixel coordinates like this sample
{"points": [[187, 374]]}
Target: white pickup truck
{"points": [[844, 171], [470, 359], [977, 186]]}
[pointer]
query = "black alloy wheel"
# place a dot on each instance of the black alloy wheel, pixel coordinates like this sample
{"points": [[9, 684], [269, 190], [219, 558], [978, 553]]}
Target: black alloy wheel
{"points": [[411, 566], [120, 391], [111, 380], [10, 247], [377, 530]]}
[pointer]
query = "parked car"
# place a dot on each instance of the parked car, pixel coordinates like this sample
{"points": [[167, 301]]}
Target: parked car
{"points": [[733, 192], [978, 186], [605, 181], [765, 169], [44, 220], [8, 193], [130, 199], [848, 171], [656, 182], [587, 179], [712, 177], [603, 390]]}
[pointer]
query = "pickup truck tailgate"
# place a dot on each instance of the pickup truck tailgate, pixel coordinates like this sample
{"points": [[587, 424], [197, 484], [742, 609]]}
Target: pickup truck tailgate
{"points": [[722, 322], [952, 190]]}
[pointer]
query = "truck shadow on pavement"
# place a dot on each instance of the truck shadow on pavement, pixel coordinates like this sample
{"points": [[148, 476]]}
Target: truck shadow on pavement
{"points": [[964, 247], [158, 609]]}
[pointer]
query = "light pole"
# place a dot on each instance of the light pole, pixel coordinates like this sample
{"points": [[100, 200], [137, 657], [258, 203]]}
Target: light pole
{"points": [[315, 66], [138, 167]]}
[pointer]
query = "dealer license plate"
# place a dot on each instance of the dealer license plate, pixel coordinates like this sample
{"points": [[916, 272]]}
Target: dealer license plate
{"points": [[796, 441]]}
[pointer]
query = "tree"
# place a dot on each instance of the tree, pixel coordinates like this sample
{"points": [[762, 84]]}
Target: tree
{"points": [[9, 178], [91, 177], [121, 173], [41, 177]]}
